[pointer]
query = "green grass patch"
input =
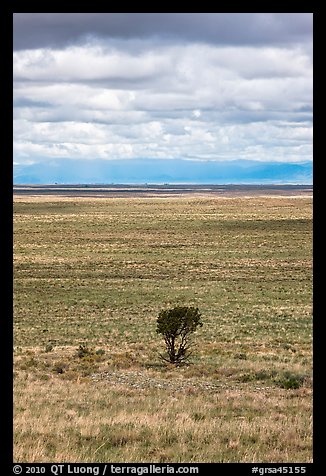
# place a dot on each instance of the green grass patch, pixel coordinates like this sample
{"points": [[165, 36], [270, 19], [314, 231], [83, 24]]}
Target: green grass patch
{"points": [[91, 276]]}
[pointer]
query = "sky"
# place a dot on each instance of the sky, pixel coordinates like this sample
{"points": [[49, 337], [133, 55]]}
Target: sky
{"points": [[167, 91]]}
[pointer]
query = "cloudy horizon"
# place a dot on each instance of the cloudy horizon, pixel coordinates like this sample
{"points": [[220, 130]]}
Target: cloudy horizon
{"points": [[180, 87]]}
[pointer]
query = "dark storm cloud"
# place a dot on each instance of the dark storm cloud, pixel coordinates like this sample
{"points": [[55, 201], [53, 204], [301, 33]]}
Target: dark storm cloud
{"points": [[56, 30]]}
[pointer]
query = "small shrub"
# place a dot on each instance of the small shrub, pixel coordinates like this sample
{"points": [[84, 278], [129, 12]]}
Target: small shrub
{"points": [[84, 351], [264, 374], [48, 348], [257, 376], [100, 352], [290, 380], [176, 325]]}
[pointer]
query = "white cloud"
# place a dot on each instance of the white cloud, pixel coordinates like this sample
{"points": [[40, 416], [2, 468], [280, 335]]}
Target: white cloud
{"points": [[191, 100], [196, 113], [87, 63]]}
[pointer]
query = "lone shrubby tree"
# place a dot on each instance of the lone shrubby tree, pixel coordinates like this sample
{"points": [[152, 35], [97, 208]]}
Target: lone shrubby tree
{"points": [[176, 325]]}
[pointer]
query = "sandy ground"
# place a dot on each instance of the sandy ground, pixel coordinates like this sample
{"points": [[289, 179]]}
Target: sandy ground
{"points": [[156, 191]]}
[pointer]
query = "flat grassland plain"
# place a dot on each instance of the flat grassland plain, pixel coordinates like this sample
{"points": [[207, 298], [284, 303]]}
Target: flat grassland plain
{"points": [[91, 273]]}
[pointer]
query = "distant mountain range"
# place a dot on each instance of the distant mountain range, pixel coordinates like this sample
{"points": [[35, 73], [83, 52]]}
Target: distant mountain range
{"points": [[99, 171]]}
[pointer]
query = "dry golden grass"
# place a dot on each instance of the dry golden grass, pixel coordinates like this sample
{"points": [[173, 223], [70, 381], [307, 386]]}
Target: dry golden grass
{"points": [[87, 421]]}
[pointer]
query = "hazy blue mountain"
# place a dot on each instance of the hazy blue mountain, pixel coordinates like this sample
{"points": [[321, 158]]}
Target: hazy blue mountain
{"points": [[162, 171]]}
